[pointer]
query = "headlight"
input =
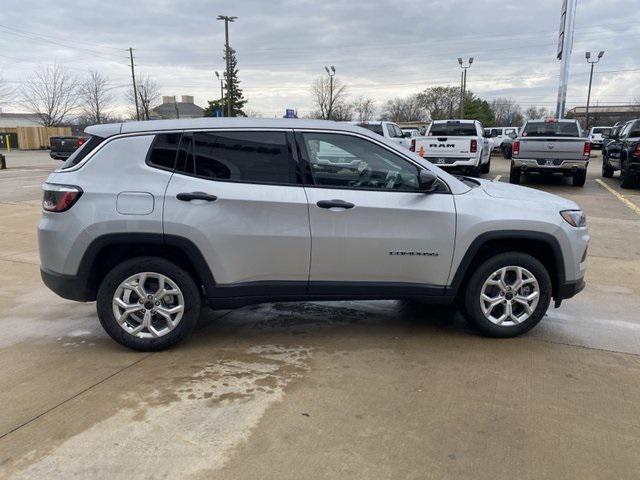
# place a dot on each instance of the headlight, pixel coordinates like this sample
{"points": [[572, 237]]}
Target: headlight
{"points": [[575, 218]]}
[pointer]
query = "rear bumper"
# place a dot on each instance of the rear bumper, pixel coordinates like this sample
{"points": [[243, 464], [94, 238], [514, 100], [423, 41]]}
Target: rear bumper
{"points": [[529, 164], [71, 287], [449, 162]]}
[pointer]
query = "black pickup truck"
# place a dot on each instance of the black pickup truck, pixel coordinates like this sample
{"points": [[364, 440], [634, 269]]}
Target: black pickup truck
{"points": [[623, 153], [63, 147]]}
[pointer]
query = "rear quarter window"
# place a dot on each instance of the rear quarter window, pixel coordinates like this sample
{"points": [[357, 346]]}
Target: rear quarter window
{"points": [[85, 149]]}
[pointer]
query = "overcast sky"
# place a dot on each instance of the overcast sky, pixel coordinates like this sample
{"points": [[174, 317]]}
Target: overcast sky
{"points": [[381, 49]]}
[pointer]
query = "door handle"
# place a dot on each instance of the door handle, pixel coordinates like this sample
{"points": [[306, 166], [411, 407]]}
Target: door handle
{"points": [[187, 197], [335, 204]]}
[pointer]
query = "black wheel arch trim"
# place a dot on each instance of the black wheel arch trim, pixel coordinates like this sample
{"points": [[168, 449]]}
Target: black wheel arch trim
{"points": [[462, 270]]}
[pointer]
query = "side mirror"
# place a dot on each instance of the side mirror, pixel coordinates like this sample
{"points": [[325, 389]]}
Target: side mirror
{"points": [[427, 181]]}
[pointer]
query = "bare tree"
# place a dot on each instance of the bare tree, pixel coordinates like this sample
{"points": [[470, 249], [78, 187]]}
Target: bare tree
{"points": [[96, 97], [440, 103], [365, 108], [406, 109], [506, 112], [51, 93], [6, 93], [326, 99], [533, 113], [148, 95]]}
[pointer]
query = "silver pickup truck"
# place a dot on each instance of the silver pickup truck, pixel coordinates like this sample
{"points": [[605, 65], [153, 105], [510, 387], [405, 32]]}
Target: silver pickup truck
{"points": [[551, 146]]}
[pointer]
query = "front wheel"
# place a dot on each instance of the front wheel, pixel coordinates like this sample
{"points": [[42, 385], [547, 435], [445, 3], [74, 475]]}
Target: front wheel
{"points": [[148, 304], [514, 175], [627, 176], [607, 170], [507, 295]]}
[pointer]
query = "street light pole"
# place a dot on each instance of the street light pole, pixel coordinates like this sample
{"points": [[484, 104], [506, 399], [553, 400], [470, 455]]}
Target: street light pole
{"points": [[463, 83], [331, 71], [221, 95], [227, 19], [587, 55]]}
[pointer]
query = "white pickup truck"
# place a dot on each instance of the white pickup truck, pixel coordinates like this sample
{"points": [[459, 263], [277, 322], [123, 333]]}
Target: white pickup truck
{"points": [[455, 144], [388, 130]]}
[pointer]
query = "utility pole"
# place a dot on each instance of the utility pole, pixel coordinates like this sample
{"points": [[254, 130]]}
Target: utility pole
{"points": [[463, 83], [227, 19], [135, 89], [331, 71], [221, 95], [587, 55], [565, 46]]}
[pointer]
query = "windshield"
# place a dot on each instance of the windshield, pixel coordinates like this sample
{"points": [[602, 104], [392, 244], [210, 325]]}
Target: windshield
{"points": [[373, 127], [602, 130], [453, 129], [551, 129]]}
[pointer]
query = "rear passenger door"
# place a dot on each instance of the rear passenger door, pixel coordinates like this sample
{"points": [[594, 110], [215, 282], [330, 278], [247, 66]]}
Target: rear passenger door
{"points": [[237, 195]]}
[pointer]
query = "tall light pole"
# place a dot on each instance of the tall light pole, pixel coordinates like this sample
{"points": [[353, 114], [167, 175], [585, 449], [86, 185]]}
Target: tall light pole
{"points": [[331, 71], [463, 83], [221, 95], [227, 19], [565, 46], [587, 55]]}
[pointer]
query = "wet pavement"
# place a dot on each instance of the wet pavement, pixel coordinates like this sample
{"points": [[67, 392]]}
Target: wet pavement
{"points": [[324, 390]]}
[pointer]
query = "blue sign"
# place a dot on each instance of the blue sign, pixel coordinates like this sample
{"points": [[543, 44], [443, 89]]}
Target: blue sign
{"points": [[217, 113], [290, 113]]}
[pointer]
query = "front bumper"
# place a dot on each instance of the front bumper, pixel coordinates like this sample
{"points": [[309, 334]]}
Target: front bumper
{"points": [[549, 165], [570, 289]]}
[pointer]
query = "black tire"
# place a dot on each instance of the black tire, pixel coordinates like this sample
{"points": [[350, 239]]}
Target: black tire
{"points": [[579, 178], [514, 175], [506, 152], [128, 268], [471, 301], [627, 176], [607, 170], [474, 171], [486, 167]]}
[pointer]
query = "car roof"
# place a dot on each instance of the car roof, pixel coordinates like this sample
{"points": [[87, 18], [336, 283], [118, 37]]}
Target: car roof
{"points": [[455, 120], [110, 129]]}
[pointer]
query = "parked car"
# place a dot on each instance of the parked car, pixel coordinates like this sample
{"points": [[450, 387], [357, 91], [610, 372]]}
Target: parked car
{"points": [[623, 153], [596, 136], [154, 219], [551, 146], [610, 143], [455, 144], [63, 147], [410, 132], [388, 130], [507, 145], [500, 135]]}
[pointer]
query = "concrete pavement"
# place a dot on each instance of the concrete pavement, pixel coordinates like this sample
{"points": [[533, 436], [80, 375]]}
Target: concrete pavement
{"points": [[363, 390]]}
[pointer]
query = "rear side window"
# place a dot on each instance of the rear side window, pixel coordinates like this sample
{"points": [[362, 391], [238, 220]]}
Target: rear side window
{"points": [[375, 128], [163, 150], [85, 149], [453, 129], [551, 129], [253, 157]]}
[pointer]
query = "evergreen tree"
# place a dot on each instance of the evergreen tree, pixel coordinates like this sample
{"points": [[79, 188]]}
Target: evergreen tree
{"points": [[232, 90]]}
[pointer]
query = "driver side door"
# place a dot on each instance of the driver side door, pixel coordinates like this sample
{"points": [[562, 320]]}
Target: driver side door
{"points": [[372, 231]]}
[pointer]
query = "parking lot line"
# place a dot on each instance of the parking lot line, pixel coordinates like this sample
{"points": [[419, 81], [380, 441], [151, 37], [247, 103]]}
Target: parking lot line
{"points": [[620, 197], [497, 179]]}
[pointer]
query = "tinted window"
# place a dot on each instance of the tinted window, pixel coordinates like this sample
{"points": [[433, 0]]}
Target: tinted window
{"points": [[84, 150], [262, 157], [163, 150], [373, 127], [344, 161], [453, 129], [551, 129], [601, 130]]}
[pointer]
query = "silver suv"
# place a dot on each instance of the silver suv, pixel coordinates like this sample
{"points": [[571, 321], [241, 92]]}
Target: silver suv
{"points": [[154, 219]]}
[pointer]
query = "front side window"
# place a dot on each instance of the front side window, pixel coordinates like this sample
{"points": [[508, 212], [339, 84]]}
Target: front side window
{"points": [[345, 161], [253, 157]]}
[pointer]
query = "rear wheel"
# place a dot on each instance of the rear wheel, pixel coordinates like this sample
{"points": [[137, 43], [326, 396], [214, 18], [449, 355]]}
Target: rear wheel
{"points": [[486, 167], [514, 174], [148, 304], [579, 177], [607, 170], [507, 295], [627, 176], [474, 171]]}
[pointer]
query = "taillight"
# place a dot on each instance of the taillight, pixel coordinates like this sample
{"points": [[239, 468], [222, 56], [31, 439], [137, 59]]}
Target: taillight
{"points": [[587, 149], [413, 145], [515, 148], [59, 198], [636, 151], [474, 146], [80, 141]]}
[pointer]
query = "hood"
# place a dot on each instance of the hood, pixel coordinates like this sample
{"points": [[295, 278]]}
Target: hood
{"points": [[525, 194]]}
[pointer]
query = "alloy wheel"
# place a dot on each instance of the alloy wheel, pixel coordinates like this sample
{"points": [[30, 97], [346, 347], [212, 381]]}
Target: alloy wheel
{"points": [[509, 296]]}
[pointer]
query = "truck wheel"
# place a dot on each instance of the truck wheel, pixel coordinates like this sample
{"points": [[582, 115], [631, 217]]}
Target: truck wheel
{"points": [[514, 175], [148, 304], [474, 171], [627, 176], [579, 177], [486, 167], [607, 170], [507, 295]]}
